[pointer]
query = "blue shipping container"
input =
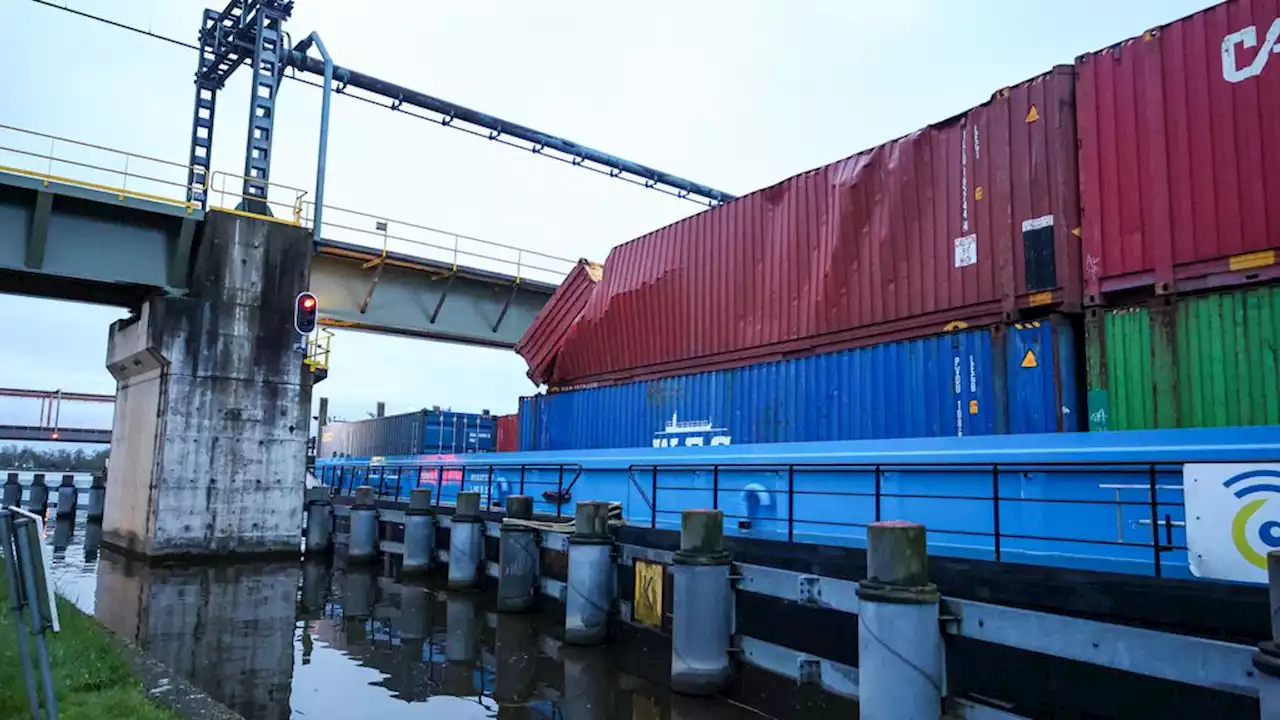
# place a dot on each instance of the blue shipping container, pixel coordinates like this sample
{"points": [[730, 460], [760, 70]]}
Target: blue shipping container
{"points": [[1018, 378], [415, 433]]}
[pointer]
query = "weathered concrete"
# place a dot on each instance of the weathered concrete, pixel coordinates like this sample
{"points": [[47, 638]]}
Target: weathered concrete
{"points": [[208, 451]]}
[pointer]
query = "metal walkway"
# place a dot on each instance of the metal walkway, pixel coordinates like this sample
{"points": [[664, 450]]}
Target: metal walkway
{"points": [[84, 222]]}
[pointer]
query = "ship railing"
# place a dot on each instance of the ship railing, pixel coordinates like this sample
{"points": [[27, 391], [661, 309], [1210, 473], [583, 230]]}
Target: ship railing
{"points": [[1030, 513]]}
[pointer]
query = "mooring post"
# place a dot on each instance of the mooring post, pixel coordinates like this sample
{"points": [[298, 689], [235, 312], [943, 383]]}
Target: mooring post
{"points": [[38, 497], [12, 491], [68, 496], [465, 538], [517, 558], [900, 661], [319, 521], [419, 532], [701, 606], [415, 609], [363, 544], [97, 497], [589, 596], [1267, 658]]}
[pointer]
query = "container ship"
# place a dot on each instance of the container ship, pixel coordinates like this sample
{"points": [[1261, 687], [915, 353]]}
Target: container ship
{"points": [[1090, 251]]}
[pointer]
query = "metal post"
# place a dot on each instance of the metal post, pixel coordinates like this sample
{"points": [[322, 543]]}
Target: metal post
{"points": [[1267, 658], [322, 418], [465, 536], [559, 491], [1155, 521], [900, 660], [319, 521], [38, 495], [518, 553], [791, 503], [653, 517], [363, 544], [419, 532], [97, 497], [589, 597], [68, 496], [488, 490], [12, 491], [27, 548], [879, 482], [715, 486], [382, 409], [702, 606], [995, 509], [460, 641], [14, 578]]}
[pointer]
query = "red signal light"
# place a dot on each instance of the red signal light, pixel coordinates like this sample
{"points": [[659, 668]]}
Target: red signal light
{"points": [[305, 313], [308, 302]]}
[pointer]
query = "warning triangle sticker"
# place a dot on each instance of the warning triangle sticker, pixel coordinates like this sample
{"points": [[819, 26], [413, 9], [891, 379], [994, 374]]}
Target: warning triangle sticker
{"points": [[1029, 360], [1034, 115]]}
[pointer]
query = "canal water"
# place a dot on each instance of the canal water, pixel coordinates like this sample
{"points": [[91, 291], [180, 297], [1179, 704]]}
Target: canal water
{"points": [[319, 639]]}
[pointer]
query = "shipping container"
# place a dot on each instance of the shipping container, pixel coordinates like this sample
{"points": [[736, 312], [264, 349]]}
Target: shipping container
{"points": [[1206, 361], [540, 344], [1004, 379], [508, 433], [412, 433], [1180, 154], [968, 220]]}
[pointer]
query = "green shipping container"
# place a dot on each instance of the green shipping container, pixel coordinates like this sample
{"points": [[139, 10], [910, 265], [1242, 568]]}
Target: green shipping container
{"points": [[1206, 361]]}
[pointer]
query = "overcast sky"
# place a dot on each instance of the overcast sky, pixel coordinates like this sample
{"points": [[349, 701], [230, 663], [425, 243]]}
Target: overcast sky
{"points": [[731, 93]]}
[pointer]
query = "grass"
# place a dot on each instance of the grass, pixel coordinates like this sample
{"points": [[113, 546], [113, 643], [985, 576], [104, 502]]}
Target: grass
{"points": [[92, 680]]}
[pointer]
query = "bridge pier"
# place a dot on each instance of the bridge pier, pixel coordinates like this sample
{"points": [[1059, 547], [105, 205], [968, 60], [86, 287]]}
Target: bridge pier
{"points": [[208, 449]]}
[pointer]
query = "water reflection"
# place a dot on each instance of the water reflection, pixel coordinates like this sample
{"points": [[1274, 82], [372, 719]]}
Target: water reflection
{"points": [[321, 639], [229, 628]]}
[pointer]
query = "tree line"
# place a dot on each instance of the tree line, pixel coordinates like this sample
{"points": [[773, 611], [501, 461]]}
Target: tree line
{"points": [[23, 457]]}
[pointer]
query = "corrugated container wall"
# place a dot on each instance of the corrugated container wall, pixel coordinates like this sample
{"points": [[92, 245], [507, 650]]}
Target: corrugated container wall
{"points": [[1180, 154], [414, 433], [1205, 361], [967, 220], [540, 344], [1018, 378], [508, 433]]}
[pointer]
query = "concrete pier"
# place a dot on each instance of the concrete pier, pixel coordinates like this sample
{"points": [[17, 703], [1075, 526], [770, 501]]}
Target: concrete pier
{"points": [[363, 546], [900, 660], [590, 595], [465, 540], [702, 606], [518, 558], [97, 497], [68, 497], [419, 532], [212, 403], [38, 495], [12, 492]]}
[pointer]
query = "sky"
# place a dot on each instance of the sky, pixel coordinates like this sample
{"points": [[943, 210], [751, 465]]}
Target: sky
{"points": [[735, 94]]}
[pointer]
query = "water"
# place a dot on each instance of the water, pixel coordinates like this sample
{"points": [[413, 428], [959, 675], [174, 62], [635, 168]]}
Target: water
{"points": [[319, 639]]}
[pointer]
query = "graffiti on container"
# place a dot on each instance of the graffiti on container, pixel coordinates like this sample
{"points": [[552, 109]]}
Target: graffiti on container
{"points": [[690, 433], [1248, 38], [1092, 266]]}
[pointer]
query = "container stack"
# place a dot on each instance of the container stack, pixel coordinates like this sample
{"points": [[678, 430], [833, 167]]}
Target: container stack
{"points": [[1091, 249], [422, 432]]}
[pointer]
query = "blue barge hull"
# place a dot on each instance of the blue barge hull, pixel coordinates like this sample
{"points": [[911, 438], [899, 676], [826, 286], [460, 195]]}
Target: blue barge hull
{"points": [[1107, 501]]}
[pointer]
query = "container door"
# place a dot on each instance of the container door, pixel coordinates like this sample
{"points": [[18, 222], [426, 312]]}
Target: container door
{"points": [[1040, 364]]}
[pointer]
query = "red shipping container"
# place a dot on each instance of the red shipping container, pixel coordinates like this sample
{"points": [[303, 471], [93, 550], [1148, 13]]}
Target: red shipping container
{"points": [[540, 344], [964, 222], [1180, 154], [508, 433]]}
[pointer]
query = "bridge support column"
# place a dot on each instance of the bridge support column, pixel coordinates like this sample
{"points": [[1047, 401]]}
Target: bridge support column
{"points": [[208, 446]]}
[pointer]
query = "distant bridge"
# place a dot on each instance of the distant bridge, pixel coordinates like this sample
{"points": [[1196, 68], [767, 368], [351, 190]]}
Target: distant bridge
{"points": [[49, 428]]}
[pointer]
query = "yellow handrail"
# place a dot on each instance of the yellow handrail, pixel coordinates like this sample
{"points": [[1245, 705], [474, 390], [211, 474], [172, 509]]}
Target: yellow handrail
{"points": [[317, 357], [218, 188]]}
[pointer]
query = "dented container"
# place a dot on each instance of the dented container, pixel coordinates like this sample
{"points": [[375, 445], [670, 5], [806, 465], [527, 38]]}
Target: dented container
{"points": [[508, 433], [1180, 155], [540, 344], [1206, 361], [970, 220], [1019, 378]]}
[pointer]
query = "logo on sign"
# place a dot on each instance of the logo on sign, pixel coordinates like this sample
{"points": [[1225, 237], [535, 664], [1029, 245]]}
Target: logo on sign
{"points": [[1247, 39], [1233, 519], [690, 433], [1254, 538]]}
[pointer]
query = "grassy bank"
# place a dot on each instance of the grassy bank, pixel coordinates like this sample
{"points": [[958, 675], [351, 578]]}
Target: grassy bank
{"points": [[91, 678]]}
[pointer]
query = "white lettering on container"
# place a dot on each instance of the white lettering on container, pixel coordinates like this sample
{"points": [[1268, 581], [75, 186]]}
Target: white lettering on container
{"points": [[967, 250], [1248, 38]]}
